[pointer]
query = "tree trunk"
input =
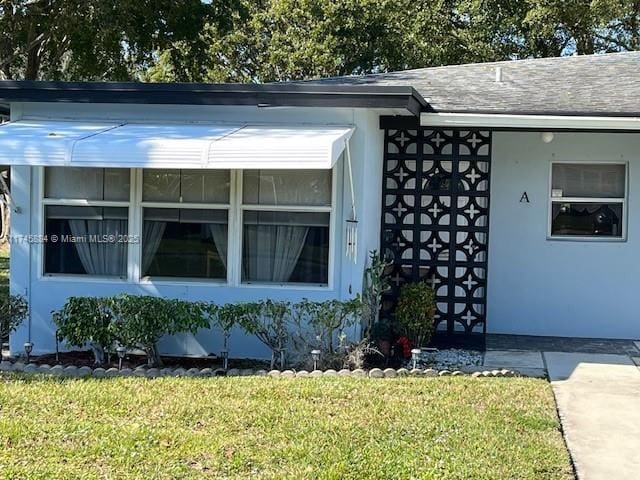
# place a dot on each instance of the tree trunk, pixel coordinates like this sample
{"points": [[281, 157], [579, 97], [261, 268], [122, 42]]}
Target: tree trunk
{"points": [[153, 356], [98, 355]]}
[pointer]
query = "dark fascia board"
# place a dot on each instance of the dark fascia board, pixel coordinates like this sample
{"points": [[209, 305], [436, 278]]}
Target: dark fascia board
{"points": [[263, 95]]}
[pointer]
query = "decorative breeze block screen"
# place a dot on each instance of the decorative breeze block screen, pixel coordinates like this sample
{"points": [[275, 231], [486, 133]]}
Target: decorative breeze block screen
{"points": [[435, 220]]}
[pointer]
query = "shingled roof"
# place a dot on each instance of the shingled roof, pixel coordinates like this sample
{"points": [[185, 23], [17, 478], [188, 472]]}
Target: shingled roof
{"points": [[580, 85]]}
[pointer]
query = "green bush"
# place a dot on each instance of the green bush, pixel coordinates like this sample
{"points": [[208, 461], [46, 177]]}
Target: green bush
{"points": [[329, 318], [87, 321], [140, 321], [415, 311], [375, 285], [268, 320], [321, 325], [383, 330], [13, 310]]}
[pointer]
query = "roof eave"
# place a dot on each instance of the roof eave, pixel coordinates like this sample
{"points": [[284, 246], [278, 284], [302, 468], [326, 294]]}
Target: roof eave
{"points": [[271, 95]]}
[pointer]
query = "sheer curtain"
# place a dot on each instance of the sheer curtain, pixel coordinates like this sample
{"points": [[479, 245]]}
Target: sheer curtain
{"points": [[152, 232], [220, 235], [272, 251], [101, 257]]}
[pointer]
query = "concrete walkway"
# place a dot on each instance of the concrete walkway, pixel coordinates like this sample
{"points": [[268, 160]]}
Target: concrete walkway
{"points": [[598, 397]]}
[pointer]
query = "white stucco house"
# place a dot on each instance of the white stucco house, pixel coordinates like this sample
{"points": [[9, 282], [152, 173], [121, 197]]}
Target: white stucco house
{"points": [[510, 187]]}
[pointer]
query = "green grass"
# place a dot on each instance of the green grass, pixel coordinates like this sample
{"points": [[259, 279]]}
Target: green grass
{"points": [[453, 428]]}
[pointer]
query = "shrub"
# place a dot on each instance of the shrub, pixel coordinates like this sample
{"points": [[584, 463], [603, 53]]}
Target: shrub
{"points": [[230, 315], [86, 321], [329, 318], [415, 311], [140, 321], [268, 321], [359, 354], [383, 330], [376, 283], [321, 325], [13, 310]]}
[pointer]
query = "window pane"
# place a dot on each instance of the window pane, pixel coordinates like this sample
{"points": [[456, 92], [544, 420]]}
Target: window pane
{"points": [[287, 187], [86, 240], [87, 183], [285, 247], [184, 243], [587, 219], [205, 186], [589, 180], [195, 186]]}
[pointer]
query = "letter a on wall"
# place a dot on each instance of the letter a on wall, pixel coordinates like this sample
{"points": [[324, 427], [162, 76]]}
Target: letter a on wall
{"points": [[524, 198]]}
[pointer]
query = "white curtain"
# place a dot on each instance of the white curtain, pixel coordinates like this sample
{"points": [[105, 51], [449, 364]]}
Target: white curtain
{"points": [[219, 233], [272, 251], [101, 257], [152, 232]]}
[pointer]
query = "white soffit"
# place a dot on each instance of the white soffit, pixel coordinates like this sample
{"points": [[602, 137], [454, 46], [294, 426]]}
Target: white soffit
{"points": [[31, 142], [550, 122]]}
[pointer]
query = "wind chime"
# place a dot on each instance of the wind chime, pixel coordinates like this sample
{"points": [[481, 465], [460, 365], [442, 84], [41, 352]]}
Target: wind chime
{"points": [[351, 248]]}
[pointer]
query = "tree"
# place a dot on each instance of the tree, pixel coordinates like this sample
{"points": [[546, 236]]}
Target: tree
{"points": [[96, 39], [276, 40]]}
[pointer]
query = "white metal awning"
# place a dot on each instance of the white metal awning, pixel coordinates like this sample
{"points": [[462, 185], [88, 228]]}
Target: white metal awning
{"points": [[143, 145]]}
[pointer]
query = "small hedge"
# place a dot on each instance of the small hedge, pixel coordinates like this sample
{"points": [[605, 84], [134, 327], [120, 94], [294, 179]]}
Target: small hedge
{"points": [[13, 310], [102, 323]]}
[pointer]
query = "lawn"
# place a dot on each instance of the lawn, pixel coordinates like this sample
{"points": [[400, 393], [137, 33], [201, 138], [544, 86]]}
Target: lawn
{"points": [[454, 428]]}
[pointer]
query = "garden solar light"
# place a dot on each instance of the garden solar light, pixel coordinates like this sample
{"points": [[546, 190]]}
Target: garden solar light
{"points": [[415, 356], [28, 348], [121, 351], [315, 355], [225, 358]]}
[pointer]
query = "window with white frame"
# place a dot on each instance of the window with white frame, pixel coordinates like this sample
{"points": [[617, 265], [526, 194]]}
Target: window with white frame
{"points": [[252, 226], [588, 200], [185, 221], [86, 212], [286, 226]]}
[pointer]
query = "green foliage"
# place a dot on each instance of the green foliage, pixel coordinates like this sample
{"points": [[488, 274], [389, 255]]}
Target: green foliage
{"points": [[140, 321], [415, 310], [268, 320], [383, 330], [13, 310], [94, 39], [321, 325], [87, 321], [279, 40], [376, 283]]}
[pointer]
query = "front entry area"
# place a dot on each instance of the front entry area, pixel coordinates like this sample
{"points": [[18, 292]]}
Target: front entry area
{"points": [[435, 219]]}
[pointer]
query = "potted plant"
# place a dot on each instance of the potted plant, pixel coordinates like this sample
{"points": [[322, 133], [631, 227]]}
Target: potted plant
{"points": [[383, 334], [415, 311]]}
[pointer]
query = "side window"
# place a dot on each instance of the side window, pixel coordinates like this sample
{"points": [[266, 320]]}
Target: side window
{"points": [[588, 200], [185, 223], [86, 213], [285, 232]]}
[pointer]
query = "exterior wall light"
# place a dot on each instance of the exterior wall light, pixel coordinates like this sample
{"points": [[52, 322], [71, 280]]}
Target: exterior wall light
{"points": [[28, 348], [415, 356], [225, 358], [315, 355], [121, 351], [547, 137]]}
